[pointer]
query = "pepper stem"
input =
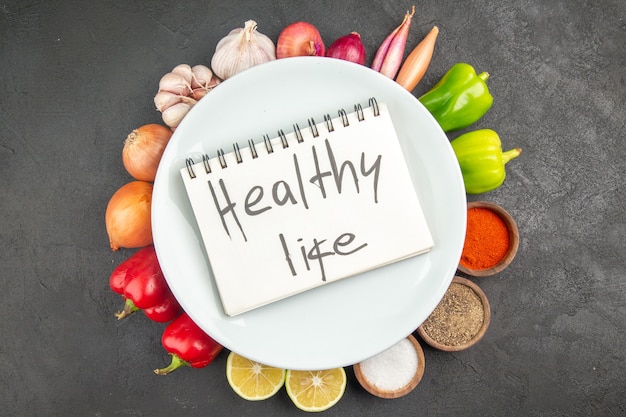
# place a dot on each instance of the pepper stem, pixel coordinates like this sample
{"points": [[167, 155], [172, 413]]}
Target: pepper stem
{"points": [[511, 154], [483, 76], [129, 308], [176, 363]]}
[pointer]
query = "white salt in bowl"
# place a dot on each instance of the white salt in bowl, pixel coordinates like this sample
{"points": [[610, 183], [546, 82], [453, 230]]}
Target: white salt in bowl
{"points": [[394, 372]]}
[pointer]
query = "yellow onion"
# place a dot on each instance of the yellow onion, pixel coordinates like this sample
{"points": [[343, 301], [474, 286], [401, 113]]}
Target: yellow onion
{"points": [[143, 149], [128, 216]]}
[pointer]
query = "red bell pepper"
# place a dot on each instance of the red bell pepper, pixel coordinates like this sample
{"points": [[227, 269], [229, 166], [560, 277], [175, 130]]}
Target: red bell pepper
{"points": [[140, 281], [188, 345]]}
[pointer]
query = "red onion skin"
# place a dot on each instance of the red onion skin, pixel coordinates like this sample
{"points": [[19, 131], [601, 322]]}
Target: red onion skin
{"points": [[389, 55], [299, 39], [349, 48]]}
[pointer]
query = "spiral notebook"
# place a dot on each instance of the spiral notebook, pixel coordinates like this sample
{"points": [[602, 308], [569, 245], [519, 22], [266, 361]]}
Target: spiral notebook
{"points": [[304, 208]]}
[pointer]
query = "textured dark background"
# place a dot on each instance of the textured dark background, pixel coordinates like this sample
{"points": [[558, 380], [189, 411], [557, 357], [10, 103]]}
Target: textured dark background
{"points": [[76, 77]]}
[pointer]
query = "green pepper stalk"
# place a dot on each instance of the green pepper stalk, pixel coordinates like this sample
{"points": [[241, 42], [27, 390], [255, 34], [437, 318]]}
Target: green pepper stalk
{"points": [[460, 98], [481, 160]]}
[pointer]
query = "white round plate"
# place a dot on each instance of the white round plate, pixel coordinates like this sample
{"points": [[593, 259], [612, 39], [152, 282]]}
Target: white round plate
{"points": [[344, 322]]}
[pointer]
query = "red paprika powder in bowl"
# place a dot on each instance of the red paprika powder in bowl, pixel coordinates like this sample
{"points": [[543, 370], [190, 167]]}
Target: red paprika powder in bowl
{"points": [[491, 240]]}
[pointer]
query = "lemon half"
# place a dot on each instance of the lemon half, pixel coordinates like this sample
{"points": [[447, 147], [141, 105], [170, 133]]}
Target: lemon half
{"points": [[316, 390], [251, 380]]}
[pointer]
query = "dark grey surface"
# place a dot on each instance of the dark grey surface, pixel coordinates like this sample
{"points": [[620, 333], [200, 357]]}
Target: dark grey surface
{"points": [[76, 77]]}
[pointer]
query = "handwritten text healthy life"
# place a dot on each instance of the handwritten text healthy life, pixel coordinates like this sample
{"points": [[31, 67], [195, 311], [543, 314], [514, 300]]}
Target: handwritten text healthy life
{"points": [[361, 173]]}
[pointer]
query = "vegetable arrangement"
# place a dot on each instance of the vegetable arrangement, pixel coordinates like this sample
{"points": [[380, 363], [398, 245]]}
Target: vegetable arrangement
{"points": [[458, 100]]}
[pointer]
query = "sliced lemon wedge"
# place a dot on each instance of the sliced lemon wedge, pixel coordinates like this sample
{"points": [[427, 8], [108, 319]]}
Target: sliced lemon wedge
{"points": [[251, 380], [316, 390]]}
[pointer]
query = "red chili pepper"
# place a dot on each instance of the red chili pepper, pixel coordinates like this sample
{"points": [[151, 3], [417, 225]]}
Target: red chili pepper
{"points": [[188, 345], [140, 281]]}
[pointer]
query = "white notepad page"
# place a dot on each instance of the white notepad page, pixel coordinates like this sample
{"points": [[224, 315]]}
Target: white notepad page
{"points": [[332, 200]]}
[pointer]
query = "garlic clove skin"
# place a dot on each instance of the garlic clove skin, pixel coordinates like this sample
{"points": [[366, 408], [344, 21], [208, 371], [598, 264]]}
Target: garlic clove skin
{"points": [[184, 70], [175, 83], [200, 76], [241, 49], [213, 83], [198, 93], [189, 100], [172, 116], [164, 99]]}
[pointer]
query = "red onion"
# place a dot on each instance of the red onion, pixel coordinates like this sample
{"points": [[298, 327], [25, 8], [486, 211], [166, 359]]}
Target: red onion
{"points": [[299, 39], [349, 48], [389, 55]]}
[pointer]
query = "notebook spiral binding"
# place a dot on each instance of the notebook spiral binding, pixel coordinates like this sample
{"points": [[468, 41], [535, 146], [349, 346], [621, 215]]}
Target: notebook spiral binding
{"points": [[328, 121]]}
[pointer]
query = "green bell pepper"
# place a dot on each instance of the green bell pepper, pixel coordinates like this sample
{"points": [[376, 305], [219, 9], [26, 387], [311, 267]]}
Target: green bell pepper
{"points": [[459, 98], [481, 160]]}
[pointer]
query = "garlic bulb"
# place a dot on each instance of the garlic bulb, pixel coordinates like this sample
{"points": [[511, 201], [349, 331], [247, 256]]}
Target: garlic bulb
{"points": [[180, 89], [241, 49]]}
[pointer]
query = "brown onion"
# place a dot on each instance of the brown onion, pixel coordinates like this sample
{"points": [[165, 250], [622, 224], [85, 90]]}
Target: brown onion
{"points": [[299, 39], [349, 48], [127, 216], [417, 62], [143, 149]]}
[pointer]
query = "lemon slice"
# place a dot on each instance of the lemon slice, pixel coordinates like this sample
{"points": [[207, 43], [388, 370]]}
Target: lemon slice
{"points": [[316, 390], [252, 380]]}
